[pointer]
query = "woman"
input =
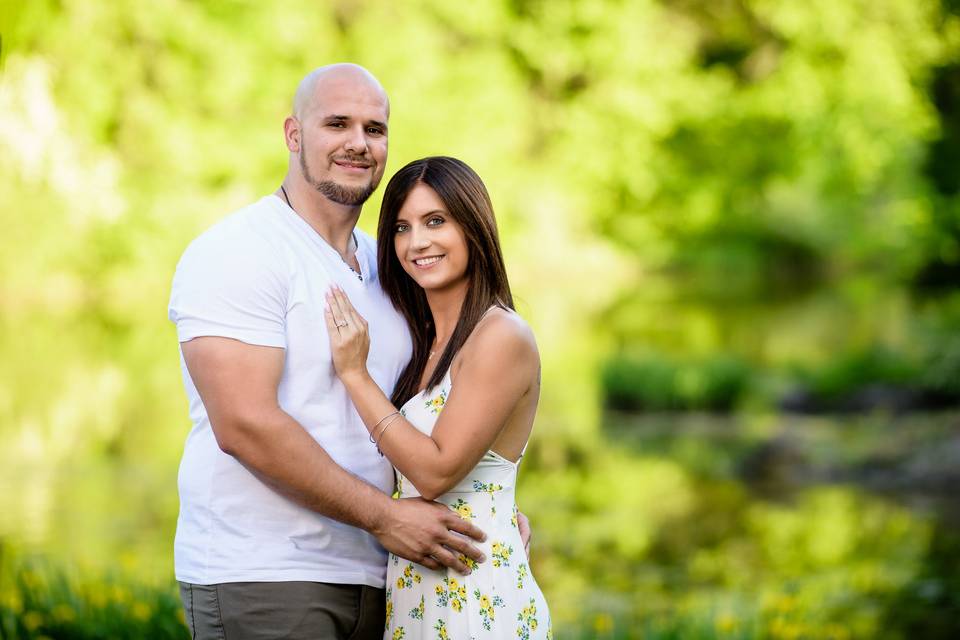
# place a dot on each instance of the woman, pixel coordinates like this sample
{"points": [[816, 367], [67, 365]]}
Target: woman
{"points": [[462, 411]]}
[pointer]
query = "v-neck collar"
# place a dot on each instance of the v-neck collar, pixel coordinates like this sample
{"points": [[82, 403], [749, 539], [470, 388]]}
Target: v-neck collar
{"points": [[326, 247]]}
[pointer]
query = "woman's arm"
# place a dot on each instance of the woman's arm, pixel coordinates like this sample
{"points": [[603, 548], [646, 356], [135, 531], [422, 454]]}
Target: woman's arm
{"points": [[499, 367]]}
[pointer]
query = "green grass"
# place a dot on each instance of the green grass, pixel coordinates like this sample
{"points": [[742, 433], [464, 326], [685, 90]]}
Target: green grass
{"points": [[41, 600]]}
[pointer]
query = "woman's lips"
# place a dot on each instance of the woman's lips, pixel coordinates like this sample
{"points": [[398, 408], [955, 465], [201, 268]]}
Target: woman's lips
{"points": [[427, 262]]}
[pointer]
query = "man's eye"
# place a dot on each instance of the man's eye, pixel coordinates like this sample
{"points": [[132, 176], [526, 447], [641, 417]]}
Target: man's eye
{"points": [[376, 131]]}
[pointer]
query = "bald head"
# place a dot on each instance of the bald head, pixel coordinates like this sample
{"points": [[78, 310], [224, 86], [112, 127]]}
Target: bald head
{"points": [[317, 81]]}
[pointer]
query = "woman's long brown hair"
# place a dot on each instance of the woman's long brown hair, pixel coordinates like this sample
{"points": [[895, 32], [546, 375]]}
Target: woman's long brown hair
{"points": [[465, 197]]}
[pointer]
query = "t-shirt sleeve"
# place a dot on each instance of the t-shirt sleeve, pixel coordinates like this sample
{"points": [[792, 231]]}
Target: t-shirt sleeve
{"points": [[229, 286]]}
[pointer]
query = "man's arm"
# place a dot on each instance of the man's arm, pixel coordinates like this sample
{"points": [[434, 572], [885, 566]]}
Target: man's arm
{"points": [[237, 383]]}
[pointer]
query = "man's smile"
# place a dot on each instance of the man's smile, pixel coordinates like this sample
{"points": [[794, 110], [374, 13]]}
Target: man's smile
{"points": [[352, 165]]}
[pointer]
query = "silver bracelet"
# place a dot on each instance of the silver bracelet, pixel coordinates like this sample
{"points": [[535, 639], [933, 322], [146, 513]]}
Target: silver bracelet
{"points": [[384, 430], [372, 441]]}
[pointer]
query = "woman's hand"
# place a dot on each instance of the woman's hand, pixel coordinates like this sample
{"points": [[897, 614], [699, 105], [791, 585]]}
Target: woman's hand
{"points": [[349, 338]]}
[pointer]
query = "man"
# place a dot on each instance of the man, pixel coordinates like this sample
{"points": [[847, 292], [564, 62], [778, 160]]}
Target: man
{"points": [[284, 509]]}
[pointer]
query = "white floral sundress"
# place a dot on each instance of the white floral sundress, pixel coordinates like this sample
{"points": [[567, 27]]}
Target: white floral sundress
{"points": [[500, 598]]}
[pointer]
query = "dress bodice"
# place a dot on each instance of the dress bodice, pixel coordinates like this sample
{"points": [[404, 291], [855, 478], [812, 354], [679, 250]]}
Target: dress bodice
{"points": [[493, 474]]}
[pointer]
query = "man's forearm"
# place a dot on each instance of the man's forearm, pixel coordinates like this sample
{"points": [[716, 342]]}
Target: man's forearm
{"points": [[283, 455]]}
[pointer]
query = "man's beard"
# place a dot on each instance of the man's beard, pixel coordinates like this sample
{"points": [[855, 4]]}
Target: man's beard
{"points": [[335, 192]]}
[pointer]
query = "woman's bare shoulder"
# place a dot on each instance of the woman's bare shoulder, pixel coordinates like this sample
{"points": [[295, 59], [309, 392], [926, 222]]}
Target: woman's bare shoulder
{"points": [[503, 334]]}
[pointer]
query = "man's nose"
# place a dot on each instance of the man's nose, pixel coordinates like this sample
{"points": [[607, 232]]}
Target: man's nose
{"points": [[356, 140]]}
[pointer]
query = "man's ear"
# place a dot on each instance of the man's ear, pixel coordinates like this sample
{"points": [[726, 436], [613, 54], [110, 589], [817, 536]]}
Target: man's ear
{"points": [[291, 133]]}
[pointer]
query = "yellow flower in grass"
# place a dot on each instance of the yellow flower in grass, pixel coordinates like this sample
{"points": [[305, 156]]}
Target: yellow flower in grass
{"points": [[602, 623], [835, 631], [32, 620], [141, 611], [725, 623], [13, 602]]}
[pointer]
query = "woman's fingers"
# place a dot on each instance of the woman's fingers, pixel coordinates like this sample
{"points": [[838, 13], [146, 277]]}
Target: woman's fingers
{"points": [[331, 321], [333, 306], [350, 313], [346, 306]]}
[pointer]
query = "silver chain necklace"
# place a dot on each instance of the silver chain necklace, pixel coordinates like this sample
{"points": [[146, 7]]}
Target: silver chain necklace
{"points": [[353, 236]]}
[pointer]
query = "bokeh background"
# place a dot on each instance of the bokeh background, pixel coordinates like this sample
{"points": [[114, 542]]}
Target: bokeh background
{"points": [[733, 224]]}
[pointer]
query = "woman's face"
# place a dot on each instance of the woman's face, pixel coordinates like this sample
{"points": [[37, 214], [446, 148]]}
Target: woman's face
{"points": [[429, 244]]}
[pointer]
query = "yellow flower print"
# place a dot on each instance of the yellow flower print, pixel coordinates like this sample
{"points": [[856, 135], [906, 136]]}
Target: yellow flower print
{"points": [[491, 489], [470, 562], [521, 574], [399, 633], [487, 607], [451, 592], [409, 577], [436, 404], [528, 621], [417, 612], [441, 629], [501, 554], [463, 509], [389, 611]]}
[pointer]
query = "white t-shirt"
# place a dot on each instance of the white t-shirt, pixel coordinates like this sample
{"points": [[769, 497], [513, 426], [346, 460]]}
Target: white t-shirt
{"points": [[260, 276]]}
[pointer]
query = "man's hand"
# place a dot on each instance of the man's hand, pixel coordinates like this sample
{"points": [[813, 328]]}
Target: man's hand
{"points": [[429, 533], [525, 532]]}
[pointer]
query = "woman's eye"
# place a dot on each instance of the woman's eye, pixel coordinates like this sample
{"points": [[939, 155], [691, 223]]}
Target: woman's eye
{"points": [[436, 221], [400, 228]]}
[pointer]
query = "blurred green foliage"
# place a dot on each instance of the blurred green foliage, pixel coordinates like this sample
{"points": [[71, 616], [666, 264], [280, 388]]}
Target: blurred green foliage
{"points": [[702, 205], [657, 383]]}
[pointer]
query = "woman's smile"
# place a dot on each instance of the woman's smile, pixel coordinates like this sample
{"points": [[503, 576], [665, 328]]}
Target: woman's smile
{"points": [[427, 262]]}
